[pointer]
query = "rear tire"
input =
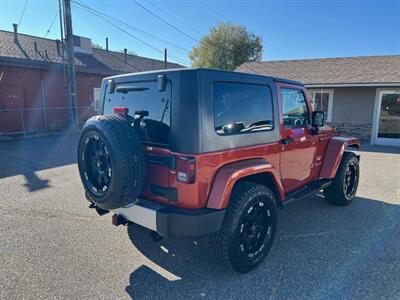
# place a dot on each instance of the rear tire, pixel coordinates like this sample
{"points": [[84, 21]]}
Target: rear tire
{"points": [[248, 229], [344, 186], [111, 161]]}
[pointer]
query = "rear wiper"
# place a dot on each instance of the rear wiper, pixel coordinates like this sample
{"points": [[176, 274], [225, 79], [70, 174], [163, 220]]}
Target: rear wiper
{"points": [[126, 89]]}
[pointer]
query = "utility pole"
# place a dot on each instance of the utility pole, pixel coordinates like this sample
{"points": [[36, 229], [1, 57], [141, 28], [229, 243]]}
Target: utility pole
{"points": [[165, 58], [69, 43], [66, 89]]}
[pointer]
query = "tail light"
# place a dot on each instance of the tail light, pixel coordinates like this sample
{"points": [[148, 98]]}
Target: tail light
{"points": [[186, 169], [121, 111]]}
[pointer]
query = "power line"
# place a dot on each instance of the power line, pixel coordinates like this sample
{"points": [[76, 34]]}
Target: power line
{"points": [[8, 58], [227, 19], [131, 35], [216, 12], [132, 27], [166, 22], [175, 18], [51, 25], [31, 63], [113, 21], [23, 12], [75, 4]]}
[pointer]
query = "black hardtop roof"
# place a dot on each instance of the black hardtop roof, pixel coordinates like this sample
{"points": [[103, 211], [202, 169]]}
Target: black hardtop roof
{"points": [[169, 71]]}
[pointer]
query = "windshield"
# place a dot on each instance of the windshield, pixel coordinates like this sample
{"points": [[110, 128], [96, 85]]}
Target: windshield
{"points": [[144, 101]]}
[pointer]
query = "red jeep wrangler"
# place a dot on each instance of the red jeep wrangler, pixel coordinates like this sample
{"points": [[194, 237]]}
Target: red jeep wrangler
{"points": [[195, 152]]}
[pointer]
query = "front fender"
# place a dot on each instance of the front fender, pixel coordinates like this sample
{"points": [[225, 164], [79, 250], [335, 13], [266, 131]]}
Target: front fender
{"points": [[334, 154], [228, 175]]}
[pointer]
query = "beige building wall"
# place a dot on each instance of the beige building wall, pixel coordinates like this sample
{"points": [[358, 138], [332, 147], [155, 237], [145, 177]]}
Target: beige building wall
{"points": [[353, 110], [353, 105]]}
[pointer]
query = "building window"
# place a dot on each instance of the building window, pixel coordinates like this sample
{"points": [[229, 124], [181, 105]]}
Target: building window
{"points": [[322, 100]]}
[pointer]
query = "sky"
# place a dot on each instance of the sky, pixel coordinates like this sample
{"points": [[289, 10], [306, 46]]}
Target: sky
{"points": [[290, 29]]}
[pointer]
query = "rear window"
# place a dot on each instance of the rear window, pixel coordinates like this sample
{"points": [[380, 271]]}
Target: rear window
{"points": [[242, 108], [144, 98]]}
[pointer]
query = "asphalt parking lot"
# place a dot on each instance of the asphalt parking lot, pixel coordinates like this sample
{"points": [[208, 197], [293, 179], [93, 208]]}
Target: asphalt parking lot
{"points": [[53, 246]]}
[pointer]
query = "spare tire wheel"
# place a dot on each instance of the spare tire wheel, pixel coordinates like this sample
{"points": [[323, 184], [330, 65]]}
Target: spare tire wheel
{"points": [[111, 161]]}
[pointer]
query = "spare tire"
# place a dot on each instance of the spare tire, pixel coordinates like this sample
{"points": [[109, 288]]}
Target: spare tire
{"points": [[111, 161]]}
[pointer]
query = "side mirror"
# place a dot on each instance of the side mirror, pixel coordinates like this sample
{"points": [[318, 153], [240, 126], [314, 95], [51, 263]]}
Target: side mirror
{"points": [[318, 119]]}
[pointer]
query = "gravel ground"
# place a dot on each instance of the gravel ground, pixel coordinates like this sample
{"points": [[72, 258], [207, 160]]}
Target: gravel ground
{"points": [[53, 246]]}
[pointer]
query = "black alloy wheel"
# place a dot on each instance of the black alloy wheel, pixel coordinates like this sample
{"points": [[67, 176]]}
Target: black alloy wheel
{"points": [[248, 229], [344, 186], [97, 164], [350, 179], [255, 229]]}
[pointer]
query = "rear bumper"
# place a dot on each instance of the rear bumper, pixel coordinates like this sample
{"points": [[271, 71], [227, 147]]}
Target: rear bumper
{"points": [[170, 221]]}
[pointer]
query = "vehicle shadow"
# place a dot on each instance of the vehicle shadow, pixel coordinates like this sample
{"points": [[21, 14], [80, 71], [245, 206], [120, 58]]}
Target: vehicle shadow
{"points": [[320, 251], [27, 156]]}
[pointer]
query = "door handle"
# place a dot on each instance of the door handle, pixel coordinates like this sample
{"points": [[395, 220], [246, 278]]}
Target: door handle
{"points": [[287, 140]]}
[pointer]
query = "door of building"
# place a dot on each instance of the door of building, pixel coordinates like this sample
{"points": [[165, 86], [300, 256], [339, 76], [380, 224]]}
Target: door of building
{"points": [[387, 125]]}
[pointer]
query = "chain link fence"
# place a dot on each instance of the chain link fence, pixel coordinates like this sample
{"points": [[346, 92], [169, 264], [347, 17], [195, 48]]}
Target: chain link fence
{"points": [[23, 121]]}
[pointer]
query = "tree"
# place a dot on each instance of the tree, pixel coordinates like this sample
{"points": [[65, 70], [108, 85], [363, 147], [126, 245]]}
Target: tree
{"points": [[97, 46], [227, 46]]}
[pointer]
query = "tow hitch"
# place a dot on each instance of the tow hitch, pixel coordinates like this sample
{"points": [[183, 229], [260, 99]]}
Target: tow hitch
{"points": [[100, 211], [119, 220]]}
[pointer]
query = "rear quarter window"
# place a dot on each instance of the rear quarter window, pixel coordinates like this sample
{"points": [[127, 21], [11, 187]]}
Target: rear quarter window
{"points": [[240, 108]]}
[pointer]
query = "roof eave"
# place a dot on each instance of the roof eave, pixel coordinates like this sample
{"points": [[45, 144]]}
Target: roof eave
{"points": [[34, 64], [333, 85]]}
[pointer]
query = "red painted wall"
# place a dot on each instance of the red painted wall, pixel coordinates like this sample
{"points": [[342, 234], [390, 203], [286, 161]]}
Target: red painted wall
{"points": [[27, 106]]}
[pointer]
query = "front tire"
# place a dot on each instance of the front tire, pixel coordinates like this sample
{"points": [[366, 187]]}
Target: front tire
{"points": [[344, 186], [248, 229]]}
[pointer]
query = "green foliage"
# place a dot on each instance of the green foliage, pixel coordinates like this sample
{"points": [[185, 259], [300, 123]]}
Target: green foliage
{"points": [[227, 46], [98, 46]]}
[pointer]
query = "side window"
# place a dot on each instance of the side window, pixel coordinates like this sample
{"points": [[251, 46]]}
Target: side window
{"points": [[241, 108], [294, 108]]}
